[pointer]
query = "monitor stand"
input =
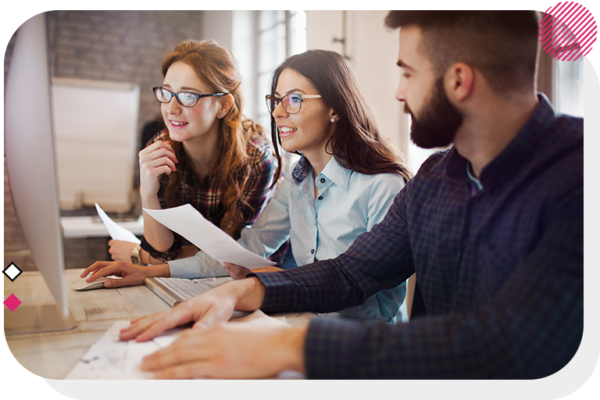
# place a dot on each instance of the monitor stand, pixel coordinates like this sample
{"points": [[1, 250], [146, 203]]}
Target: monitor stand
{"points": [[37, 319]]}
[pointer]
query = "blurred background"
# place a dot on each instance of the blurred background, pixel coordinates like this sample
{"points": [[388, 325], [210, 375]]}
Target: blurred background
{"points": [[117, 54]]}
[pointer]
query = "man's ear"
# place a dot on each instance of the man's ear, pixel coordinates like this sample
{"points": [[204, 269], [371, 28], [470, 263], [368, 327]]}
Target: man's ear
{"points": [[459, 81]]}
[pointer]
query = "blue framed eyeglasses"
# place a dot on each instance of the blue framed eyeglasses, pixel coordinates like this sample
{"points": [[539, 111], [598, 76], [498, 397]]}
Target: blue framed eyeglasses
{"points": [[291, 103]]}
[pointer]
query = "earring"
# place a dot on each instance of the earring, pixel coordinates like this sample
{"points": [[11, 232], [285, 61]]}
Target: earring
{"points": [[332, 120]]}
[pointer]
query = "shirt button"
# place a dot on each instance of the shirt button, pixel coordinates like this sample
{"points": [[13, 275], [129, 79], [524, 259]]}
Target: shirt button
{"points": [[312, 251], [322, 180], [320, 197]]}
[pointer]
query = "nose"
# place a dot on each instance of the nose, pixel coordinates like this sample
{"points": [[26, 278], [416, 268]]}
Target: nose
{"points": [[401, 91], [173, 106], [279, 111]]}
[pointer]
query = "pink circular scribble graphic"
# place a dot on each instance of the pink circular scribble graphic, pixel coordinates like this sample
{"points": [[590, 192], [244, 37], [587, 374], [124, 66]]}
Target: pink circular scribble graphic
{"points": [[567, 31]]}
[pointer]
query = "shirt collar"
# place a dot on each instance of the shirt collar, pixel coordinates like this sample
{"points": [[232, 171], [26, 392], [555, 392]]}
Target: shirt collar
{"points": [[333, 170], [517, 151], [301, 170]]}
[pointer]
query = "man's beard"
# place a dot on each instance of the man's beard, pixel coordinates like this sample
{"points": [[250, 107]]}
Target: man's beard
{"points": [[439, 120]]}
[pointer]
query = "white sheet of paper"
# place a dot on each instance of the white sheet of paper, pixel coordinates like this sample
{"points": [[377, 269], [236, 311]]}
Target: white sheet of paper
{"points": [[109, 358], [116, 231], [189, 223]]}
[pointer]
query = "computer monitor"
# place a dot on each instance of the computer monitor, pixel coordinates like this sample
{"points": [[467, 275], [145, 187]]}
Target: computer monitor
{"points": [[31, 167]]}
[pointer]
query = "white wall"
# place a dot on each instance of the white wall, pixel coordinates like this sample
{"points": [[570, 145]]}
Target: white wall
{"points": [[373, 52], [372, 49], [218, 25]]}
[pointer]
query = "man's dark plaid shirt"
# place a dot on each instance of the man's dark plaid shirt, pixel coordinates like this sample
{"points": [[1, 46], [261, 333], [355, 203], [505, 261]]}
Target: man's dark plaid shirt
{"points": [[501, 269], [205, 196]]}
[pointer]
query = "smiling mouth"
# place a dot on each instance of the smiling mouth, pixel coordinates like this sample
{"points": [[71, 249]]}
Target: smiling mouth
{"points": [[178, 124], [285, 131]]}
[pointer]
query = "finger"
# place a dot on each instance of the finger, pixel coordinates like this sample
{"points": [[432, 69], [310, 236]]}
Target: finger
{"points": [[142, 322], [112, 242], [117, 283], [157, 171], [136, 320], [231, 273], [226, 266], [154, 146], [159, 153], [237, 272], [159, 162], [177, 316], [133, 330], [190, 347], [94, 267], [101, 273]]}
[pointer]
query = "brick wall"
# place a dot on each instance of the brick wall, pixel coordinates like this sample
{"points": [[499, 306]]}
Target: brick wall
{"points": [[121, 46]]}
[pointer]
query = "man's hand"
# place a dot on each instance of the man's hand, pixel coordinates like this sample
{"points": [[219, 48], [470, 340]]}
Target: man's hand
{"points": [[235, 351], [132, 274], [208, 309]]}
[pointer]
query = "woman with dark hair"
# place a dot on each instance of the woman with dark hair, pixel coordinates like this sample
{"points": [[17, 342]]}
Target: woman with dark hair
{"points": [[343, 184], [345, 180]]}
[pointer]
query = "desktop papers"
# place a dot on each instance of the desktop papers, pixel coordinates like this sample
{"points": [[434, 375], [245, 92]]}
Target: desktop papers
{"points": [[109, 358], [116, 231], [190, 224]]}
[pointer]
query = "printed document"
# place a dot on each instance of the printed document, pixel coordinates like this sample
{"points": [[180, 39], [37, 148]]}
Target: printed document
{"points": [[116, 231], [110, 358], [189, 223]]}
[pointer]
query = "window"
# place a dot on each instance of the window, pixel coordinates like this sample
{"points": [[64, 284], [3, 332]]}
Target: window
{"points": [[567, 75], [281, 34], [568, 84]]}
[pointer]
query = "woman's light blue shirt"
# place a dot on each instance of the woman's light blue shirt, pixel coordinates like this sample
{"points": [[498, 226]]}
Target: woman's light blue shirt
{"points": [[349, 203]]}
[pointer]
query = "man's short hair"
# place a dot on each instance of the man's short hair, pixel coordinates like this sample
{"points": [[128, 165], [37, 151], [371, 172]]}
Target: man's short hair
{"points": [[502, 45]]}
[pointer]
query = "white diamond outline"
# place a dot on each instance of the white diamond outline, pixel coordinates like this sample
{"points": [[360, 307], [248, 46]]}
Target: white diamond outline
{"points": [[12, 266]]}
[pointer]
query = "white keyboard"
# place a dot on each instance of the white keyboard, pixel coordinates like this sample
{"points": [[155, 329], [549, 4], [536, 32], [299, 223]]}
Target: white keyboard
{"points": [[185, 289], [175, 290]]}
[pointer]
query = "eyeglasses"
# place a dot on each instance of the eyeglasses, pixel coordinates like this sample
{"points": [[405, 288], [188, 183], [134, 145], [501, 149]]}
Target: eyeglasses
{"points": [[186, 99], [291, 103]]}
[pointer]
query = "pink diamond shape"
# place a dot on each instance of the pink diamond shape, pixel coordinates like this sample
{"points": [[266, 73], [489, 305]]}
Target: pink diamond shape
{"points": [[12, 302]]}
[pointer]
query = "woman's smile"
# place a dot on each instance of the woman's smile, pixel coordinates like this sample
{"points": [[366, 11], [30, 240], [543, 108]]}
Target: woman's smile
{"points": [[285, 131]]}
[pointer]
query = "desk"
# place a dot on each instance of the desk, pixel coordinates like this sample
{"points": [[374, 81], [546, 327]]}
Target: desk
{"points": [[53, 355], [92, 226]]}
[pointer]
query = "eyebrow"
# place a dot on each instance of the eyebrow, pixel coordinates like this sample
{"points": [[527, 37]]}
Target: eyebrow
{"points": [[404, 65], [183, 88], [291, 91]]}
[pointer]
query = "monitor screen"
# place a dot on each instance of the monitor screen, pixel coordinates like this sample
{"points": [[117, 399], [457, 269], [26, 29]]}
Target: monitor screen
{"points": [[29, 147]]}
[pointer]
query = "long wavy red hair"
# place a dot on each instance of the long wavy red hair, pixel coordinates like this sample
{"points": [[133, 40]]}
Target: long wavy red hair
{"points": [[216, 66]]}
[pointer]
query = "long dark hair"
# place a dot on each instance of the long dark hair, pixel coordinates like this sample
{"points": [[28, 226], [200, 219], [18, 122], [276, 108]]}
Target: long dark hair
{"points": [[356, 143]]}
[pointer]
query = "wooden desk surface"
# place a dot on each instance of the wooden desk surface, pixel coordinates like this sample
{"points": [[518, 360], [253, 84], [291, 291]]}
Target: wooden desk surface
{"points": [[53, 355]]}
